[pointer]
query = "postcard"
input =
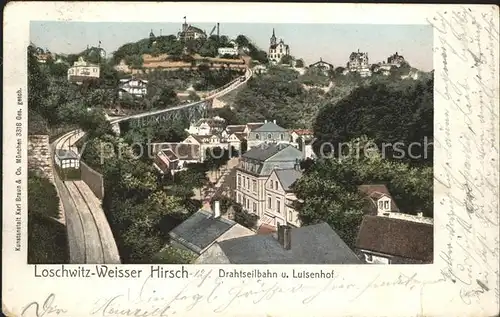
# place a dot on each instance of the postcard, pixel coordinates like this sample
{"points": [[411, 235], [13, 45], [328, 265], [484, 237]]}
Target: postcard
{"points": [[265, 159]]}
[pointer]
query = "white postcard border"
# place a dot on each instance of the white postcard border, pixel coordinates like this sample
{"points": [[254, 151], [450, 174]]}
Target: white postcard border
{"points": [[393, 290]]}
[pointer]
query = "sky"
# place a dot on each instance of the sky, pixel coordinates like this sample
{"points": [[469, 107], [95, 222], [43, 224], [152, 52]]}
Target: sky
{"points": [[332, 43]]}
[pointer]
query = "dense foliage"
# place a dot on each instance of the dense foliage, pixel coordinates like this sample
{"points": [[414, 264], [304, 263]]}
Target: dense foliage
{"points": [[47, 241], [329, 188], [390, 114]]}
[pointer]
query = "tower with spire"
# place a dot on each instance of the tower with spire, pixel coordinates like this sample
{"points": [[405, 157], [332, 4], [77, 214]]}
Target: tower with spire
{"points": [[272, 41]]}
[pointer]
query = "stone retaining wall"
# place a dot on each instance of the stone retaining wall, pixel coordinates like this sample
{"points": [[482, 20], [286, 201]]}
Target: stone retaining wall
{"points": [[93, 179], [39, 156]]}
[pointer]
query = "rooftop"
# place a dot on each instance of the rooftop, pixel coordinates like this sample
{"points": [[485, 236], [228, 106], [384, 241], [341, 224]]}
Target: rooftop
{"points": [[265, 151], [269, 127], [200, 230], [287, 177], [315, 244], [397, 237]]}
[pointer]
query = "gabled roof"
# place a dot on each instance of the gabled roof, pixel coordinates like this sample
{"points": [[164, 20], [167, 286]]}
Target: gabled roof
{"points": [[302, 131], [200, 230], [183, 151], [235, 128], [265, 151], [287, 177], [240, 135], [269, 127], [376, 191], [254, 125], [315, 244], [170, 155], [397, 237], [321, 62]]}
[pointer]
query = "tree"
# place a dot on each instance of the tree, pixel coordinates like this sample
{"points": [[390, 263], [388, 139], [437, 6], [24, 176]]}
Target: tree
{"points": [[168, 98], [393, 116], [242, 41], [287, 60], [299, 63], [328, 189], [172, 255]]}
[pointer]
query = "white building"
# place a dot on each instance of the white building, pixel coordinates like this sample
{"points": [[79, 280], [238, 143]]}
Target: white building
{"points": [[277, 50], [133, 87], [227, 51], [82, 70], [358, 62]]}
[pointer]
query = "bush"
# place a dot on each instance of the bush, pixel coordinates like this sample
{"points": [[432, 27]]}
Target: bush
{"points": [[173, 255], [42, 196], [47, 240]]}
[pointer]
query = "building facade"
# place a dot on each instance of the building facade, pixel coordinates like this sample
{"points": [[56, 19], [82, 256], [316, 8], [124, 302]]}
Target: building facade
{"points": [[358, 63], [189, 32], [395, 60], [269, 132], [133, 87], [227, 51], [254, 169], [82, 70], [279, 207], [277, 49]]}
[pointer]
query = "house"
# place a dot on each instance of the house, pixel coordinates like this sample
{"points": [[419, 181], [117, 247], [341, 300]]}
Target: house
{"points": [[277, 50], [279, 209], [300, 133], [44, 58], [358, 62], [386, 240], [395, 60], [204, 228], [133, 87], [227, 51], [206, 142], [82, 71], [190, 32], [207, 126], [122, 67], [252, 126], [269, 132], [315, 244], [378, 200], [322, 65], [240, 128], [260, 69], [235, 140], [254, 169], [172, 157]]}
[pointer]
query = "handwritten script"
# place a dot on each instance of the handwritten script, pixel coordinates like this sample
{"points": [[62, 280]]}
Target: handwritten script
{"points": [[468, 171]]}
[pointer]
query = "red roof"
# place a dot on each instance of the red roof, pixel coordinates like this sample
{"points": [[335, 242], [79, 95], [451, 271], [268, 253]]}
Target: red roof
{"points": [[266, 229], [303, 131]]}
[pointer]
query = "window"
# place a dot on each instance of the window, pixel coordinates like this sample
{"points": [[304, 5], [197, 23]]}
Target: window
{"points": [[278, 205], [276, 184], [269, 136], [239, 181], [255, 207], [244, 182], [368, 258], [282, 136], [248, 203], [386, 205], [248, 183], [257, 136], [271, 184], [380, 205], [269, 203], [254, 186], [290, 216]]}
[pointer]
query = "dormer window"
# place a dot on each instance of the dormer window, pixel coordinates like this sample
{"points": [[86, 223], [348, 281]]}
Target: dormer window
{"points": [[386, 205], [269, 136], [282, 136], [257, 136], [380, 205]]}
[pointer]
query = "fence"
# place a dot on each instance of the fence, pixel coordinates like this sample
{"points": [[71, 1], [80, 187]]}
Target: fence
{"points": [[93, 179]]}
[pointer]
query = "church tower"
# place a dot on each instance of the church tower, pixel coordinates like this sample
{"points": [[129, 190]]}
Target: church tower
{"points": [[273, 39]]}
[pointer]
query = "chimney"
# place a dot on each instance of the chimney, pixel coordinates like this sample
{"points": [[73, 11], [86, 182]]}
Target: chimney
{"points": [[285, 237], [274, 121], [216, 209]]}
